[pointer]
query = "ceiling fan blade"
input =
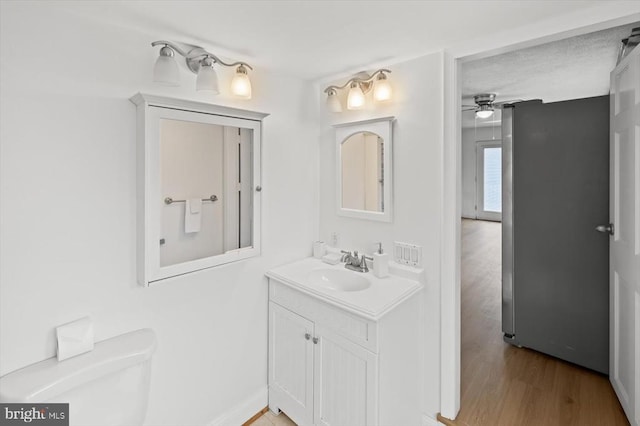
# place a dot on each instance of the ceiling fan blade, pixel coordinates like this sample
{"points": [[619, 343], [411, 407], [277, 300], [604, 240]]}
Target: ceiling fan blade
{"points": [[469, 109], [510, 101]]}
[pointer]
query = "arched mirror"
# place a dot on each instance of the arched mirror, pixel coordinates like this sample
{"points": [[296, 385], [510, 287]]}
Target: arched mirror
{"points": [[364, 169]]}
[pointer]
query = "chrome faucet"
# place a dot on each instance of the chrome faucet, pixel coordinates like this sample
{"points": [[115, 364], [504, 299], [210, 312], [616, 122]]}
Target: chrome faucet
{"points": [[346, 256], [355, 263]]}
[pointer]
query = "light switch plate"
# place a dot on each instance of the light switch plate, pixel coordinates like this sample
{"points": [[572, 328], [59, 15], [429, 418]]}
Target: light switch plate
{"points": [[407, 254]]}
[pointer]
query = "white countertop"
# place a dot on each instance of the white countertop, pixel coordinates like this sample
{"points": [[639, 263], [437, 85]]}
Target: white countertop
{"points": [[382, 296]]}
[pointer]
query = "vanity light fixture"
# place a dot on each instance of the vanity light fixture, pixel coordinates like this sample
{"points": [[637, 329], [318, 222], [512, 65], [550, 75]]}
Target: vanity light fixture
{"points": [[359, 85], [241, 85], [166, 68], [333, 103], [381, 88], [207, 78], [201, 63], [355, 98]]}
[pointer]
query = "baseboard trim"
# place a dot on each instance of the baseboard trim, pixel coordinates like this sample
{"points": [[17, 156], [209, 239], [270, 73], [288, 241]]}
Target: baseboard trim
{"points": [[446, 421], [244, 411], [256, 416], [429, 421]]}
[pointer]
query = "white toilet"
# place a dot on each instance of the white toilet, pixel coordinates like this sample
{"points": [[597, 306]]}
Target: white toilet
{"points": [[107, 386]]}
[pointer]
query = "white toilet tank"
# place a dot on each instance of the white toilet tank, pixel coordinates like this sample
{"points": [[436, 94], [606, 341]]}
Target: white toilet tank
{"points": [[107, 386]]}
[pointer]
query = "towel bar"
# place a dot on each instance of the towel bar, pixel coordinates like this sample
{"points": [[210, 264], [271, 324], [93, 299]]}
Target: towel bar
{"points": [[170, 200]]}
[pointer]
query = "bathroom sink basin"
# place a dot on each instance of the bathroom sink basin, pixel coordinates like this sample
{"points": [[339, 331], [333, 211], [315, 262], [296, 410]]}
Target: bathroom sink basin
{"points": [[338, 279]]}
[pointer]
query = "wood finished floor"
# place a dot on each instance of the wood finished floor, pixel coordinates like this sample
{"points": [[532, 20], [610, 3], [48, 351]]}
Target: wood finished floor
{"points": [[505, 385], [270, 419]]}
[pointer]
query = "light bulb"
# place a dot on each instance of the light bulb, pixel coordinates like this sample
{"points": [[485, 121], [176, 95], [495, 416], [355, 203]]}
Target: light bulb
{"points": [[241, 85], [484, 113], [165, 70], [355, 99], [333, 103], [207, 78], [381, 88]]}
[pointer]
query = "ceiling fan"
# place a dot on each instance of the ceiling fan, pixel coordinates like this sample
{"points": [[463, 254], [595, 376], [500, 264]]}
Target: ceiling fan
{"points": [[485, 104]]}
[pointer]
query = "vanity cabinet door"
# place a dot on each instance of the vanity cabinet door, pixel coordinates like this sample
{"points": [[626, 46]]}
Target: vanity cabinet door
{"points": [[291, 364], [345, 391]]}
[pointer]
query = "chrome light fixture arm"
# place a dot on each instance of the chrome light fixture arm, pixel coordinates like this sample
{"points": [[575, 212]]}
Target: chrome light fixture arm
{"points": [[363, 79], [195, 54]]}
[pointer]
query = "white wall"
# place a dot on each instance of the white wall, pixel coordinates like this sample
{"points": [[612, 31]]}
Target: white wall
{"points": [[67, 216], [469, 138], [417, 157]]}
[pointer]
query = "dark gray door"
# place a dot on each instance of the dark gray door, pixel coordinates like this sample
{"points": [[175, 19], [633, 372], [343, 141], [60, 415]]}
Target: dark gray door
{"points": [[560, 263]]}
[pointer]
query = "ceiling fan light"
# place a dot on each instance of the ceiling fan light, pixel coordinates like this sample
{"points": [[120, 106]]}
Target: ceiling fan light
{"points": [[355, 98], [484, 114], [484, 111]]}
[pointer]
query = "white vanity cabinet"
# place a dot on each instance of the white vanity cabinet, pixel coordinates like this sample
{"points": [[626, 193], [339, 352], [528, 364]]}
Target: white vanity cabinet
{"points": [[330, 366], [291, 363]]}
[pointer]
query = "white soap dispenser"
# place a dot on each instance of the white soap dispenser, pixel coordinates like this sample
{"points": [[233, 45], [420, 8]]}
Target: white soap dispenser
{"points": [[380, 263]]}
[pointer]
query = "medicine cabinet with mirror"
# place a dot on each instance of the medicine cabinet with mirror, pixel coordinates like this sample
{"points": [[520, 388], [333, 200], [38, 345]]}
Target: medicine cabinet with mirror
{"points": [[364, 169], [198, 186]]}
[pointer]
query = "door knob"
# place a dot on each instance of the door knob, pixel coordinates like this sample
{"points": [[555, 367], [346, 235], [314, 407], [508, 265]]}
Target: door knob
{"points": [[315, 340], [607, 229], [307, 336]]}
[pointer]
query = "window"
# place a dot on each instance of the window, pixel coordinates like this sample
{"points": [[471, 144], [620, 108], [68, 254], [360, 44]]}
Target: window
{"points": [[489, 180]]}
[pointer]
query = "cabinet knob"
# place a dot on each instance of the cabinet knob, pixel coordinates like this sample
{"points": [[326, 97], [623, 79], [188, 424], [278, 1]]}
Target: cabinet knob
{"points": [[315, 340], [307, 336]]}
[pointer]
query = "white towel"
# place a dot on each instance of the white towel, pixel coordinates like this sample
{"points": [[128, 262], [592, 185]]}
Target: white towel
{"points": [[192, 215]]}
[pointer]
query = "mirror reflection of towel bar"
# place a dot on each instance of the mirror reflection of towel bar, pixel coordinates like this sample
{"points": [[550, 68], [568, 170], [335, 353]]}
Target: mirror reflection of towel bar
{"points": [[170, 200]]}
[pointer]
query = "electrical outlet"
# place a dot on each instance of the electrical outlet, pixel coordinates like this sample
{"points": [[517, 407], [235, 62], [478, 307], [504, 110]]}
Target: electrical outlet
{"points": [[407, 254], [335, 239]]}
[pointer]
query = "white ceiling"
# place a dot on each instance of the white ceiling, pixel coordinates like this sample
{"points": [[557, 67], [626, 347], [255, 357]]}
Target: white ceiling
{"points": [[573, 68], [318, 39], [325, 40]]}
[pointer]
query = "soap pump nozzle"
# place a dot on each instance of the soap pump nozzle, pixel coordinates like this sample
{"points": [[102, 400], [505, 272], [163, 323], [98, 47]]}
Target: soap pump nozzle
{"points": [[380, 248]]}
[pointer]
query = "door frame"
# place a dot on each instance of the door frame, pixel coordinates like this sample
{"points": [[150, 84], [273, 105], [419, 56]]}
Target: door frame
{"points": [[480, 212], [596, 18]]}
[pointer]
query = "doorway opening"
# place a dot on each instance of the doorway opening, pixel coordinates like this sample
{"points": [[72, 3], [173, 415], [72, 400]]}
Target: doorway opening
{"points": [[499, 382]]}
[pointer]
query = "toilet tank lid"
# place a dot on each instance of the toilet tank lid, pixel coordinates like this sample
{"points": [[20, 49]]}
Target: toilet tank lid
{"points": [[41, 381]]}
